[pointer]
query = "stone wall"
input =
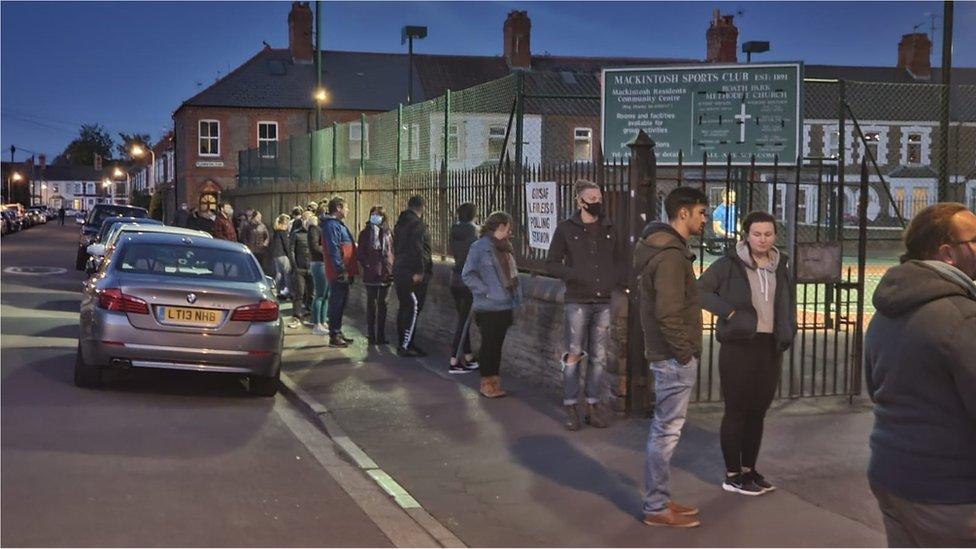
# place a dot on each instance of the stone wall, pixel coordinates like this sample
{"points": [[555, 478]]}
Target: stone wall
{"points": [[534, 343]]}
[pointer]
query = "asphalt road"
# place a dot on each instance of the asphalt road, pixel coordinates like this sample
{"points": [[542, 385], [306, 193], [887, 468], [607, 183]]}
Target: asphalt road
{"points": [[152, 459]]}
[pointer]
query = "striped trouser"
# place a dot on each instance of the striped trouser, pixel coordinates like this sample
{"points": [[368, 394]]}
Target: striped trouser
{"points": [[411, 297]]}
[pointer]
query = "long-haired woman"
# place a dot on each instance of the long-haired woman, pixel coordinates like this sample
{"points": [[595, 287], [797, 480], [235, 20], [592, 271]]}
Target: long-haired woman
{"points": [[375, 254]]}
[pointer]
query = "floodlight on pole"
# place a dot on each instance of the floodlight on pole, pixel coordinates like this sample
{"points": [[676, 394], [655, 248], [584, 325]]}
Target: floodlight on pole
{"points": [[407, 34], [752, 47]]}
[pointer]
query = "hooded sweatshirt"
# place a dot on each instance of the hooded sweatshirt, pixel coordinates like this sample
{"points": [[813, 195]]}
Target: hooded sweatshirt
{"points": [[670, 308], [920, 369], [763, 299]]}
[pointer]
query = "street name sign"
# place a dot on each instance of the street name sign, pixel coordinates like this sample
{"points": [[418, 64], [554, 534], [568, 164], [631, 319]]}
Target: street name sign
{"points": [[716, 109]]}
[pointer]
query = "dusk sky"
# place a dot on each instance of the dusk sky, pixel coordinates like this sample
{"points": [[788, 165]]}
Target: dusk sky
{"points": [[129, 65]]}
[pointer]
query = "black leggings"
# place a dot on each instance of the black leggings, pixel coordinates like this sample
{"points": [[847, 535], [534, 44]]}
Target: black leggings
{"points": [[462, 304], [750, 371], [376, 311], [493, 325]]}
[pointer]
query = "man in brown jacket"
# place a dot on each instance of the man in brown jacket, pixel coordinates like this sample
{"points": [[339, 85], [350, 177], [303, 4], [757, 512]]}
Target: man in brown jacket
{"points": [[224, 224], [671, 316]]}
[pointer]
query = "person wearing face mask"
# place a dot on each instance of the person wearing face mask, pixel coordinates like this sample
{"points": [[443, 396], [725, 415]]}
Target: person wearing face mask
{"points": [[752, 293], [491, 274], [590, 257], [375, 254], [920, 369]]}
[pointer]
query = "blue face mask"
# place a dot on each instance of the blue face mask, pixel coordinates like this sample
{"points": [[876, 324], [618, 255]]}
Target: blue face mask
{"points": [[376, 219]]}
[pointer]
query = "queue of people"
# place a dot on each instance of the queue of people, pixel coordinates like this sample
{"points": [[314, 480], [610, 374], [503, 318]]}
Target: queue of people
{"points": [[919, 348]]}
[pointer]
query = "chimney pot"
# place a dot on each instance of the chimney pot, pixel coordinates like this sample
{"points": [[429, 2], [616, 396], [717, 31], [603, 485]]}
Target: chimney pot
{"points": [[300, 32], [516, 33], [721, 39]]}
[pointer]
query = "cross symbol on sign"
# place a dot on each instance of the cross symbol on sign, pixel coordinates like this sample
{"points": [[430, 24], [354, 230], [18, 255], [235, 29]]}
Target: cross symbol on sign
{"points": [[741, 118]]}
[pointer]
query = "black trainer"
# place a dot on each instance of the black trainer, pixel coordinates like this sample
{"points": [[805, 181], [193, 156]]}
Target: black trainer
{"points": [[761, 481], [742, 484], [408, 352], [471, 366], [458, 369]]}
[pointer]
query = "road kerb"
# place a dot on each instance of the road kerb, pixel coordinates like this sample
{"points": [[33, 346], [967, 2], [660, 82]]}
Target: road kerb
{"points": [[321, 415]]}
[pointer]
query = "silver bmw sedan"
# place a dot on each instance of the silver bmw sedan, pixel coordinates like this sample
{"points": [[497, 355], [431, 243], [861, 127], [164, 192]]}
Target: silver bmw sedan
{"points": [[180, 302]]}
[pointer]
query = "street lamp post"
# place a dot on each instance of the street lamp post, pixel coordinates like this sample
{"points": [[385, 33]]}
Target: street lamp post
{"points": [[137, 151], [128, 181], [107, 185], [14, 176]]}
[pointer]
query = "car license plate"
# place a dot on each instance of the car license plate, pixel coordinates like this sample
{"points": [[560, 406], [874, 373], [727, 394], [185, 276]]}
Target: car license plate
{"points": [[188, 316]]}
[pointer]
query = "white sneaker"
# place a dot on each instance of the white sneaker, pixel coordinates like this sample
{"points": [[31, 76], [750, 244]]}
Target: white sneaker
{"points": [[320, 330], [294, 324]]}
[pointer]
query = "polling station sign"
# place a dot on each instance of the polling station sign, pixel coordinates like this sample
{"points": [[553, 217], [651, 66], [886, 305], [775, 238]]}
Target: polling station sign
{"points": [[540, 208], [716, 109]]}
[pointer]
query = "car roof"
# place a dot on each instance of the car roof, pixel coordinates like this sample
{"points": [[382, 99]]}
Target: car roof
{"points": [[154, 228], [181, 239], [127, 219], [119, 207]]}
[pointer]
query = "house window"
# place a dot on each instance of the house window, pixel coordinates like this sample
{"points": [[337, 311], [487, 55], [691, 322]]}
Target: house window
{"points": [[496, 142], [832, 138], [54, 187], [898, 195], [89, 188], [268, 139], [209, 138], [413, 141], [582, 144], [920, 200], [358, 140], [452, 142], [913, 153], [872, 139]]}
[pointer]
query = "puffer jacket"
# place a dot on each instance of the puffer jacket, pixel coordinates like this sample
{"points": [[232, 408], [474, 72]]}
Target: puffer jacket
{"points": [[725, 287]]}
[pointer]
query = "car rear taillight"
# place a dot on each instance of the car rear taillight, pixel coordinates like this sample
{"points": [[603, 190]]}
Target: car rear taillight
{"points": [[265, 311], [112, 299]]}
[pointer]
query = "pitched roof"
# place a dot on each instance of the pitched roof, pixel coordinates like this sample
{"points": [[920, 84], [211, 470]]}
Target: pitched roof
{"points": [[67, 172], [364, 81], [271, 79]]}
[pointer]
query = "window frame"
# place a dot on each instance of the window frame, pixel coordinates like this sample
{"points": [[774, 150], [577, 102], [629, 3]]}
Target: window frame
{"points": [[201, 137], [354, 152], [260, 140], [588, 140], [496, 138]]}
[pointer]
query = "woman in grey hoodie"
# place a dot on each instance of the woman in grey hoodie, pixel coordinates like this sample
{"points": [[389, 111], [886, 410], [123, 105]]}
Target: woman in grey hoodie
{"points": [[751, 291]]}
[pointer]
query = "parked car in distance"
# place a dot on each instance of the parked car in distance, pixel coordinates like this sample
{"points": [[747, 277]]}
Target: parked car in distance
{"points": [[91, 224], [10, 222], [104, 245], [173, 301], [19, 215]]}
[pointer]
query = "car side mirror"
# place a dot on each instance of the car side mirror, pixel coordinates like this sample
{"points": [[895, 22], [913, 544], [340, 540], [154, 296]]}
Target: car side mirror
{"points": [[97, 250]]}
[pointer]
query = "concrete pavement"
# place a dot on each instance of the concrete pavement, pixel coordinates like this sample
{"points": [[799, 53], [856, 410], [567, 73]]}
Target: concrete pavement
{"points": [[505, 473]]}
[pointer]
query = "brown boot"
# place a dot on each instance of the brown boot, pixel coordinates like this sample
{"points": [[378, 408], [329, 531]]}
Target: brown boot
{"points": [[496, 383], [679, 509], [486, 388], [572, 418], [670, 518], [594, 417]]}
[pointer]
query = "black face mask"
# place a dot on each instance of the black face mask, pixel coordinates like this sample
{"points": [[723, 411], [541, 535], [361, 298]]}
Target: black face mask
{"points": [[594, 208]]}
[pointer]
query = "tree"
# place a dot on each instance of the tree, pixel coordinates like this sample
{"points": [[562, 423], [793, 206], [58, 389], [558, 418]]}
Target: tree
{"points": [[127, 139], [92, 139]]}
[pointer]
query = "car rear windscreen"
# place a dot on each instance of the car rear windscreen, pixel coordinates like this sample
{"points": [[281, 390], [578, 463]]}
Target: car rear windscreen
{"points": [[100, 214], [187, 261]]}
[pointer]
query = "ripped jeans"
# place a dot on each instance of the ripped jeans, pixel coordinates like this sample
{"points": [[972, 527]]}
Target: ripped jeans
{"points": [[581, 320]]}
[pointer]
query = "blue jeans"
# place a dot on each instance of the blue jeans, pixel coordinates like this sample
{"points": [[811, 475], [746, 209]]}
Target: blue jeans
{"points": [[672, 390], [338, 294], [317, 268], [579, 321]]}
